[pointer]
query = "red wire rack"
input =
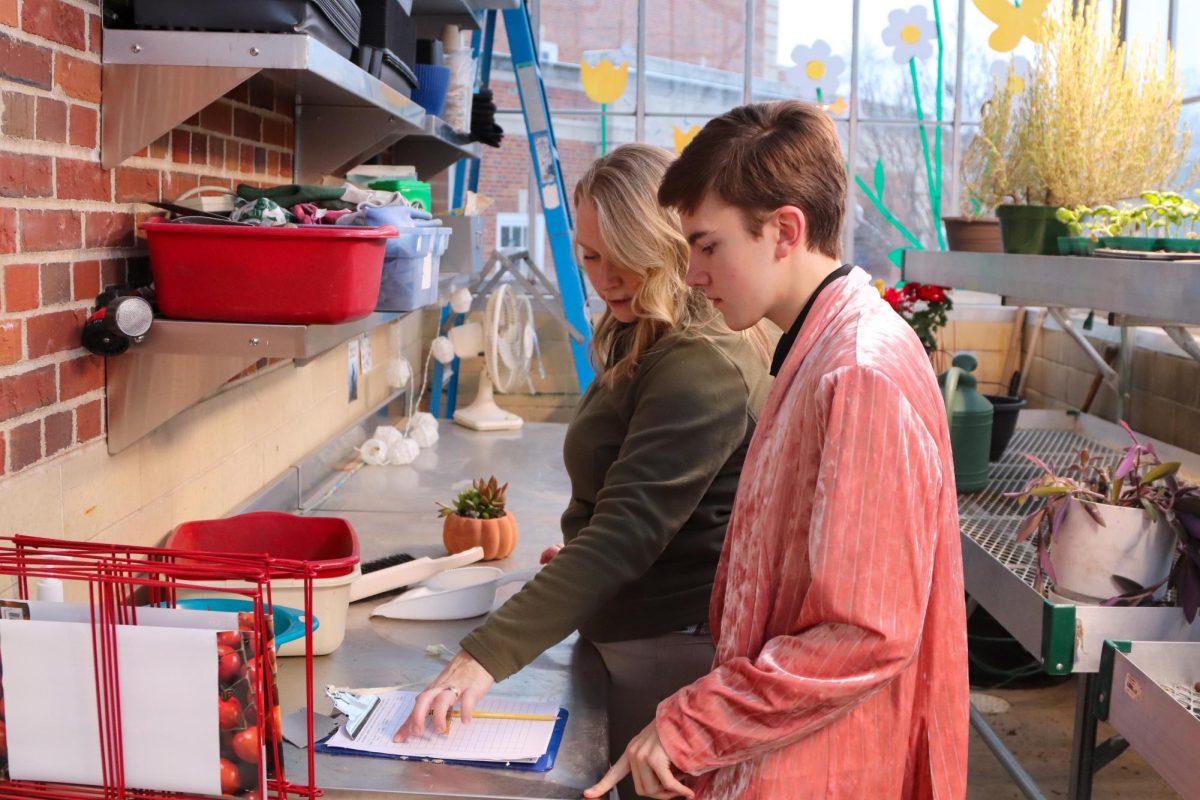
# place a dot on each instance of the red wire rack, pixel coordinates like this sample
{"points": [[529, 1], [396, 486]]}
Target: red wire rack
{"points": [[120, 579]]}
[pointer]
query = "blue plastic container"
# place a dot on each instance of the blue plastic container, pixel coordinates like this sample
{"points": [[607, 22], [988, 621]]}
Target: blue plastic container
{"points": [[288, 625], [433, 82], [410, 269]]}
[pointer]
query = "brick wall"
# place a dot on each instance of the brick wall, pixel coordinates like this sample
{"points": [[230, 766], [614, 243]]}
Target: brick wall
{"points": [[67, 225]]}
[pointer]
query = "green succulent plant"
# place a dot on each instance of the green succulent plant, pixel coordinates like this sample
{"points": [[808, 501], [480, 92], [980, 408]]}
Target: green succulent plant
{"points": [[484, 500]]}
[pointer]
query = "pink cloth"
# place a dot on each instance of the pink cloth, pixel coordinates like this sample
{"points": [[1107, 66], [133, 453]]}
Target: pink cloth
{"points": [[838, 608]]}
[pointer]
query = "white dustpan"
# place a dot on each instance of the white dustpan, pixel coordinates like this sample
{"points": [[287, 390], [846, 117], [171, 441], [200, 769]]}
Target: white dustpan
{"points": [[410, 573], [456, 594]]}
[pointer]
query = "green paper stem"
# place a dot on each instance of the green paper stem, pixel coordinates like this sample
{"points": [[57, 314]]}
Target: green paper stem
{"points": [[820, 101], [603, 129], [930, 178], [887, 214]]}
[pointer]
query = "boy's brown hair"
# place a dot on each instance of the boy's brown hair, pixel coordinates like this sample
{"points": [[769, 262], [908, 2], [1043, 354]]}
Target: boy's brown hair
{"points": [[763, 156]]}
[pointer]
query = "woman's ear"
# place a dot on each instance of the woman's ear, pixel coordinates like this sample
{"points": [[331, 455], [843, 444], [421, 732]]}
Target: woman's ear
{"points": [[793, 230]]}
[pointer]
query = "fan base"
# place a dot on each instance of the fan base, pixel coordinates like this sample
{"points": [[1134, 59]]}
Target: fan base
{"points": [[487, 417]]}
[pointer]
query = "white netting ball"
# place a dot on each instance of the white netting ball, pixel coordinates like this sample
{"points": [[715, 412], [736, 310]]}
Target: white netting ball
{"points": [[423, 429], [399, 373], [374, 452], [388, 434], [442, 350], [402, 451], [460, 301]]}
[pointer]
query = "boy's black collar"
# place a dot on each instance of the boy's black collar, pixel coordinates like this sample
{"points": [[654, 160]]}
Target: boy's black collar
{"points": [[788, 339]]}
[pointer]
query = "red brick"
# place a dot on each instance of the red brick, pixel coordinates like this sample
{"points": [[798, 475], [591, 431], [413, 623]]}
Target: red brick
{"points": [[232, 156], [199, 148], [87, 422], [176, 183], [53, 332], [78, 78], [260, 160], [247, 162], [8, 16], [217, 117], [95, 32], [113, 271], [240, 93], [262, 93], [273, 162], [3, 443], [49, 230], [10, 342], [82, 131], [24, 175], [161, 146], [29, 391], [193, 121], [60, 432], [8, 230], [80, 376], [85, 280], [275, 132], [25, 444], [136, 185], [181, 146], [57, 21], [216, 152], [24, 62], [51, 120], [21, 287], [56, 284], [83, 180], [108, 229], [18, 115], [247, 124]]}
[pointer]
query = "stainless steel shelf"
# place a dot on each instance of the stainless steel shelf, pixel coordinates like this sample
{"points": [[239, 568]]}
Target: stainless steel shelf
{"points": [[1167, 291], [1152, 702], [154, 80], [185, 337]]}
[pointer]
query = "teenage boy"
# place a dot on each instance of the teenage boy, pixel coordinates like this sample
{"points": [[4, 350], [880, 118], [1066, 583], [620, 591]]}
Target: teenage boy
{"points": [[838, 614]]}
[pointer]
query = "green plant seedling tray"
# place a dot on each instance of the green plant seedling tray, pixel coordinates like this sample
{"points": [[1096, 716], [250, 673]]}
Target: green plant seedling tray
{"points": [[1150, 244], [1076, 245]]}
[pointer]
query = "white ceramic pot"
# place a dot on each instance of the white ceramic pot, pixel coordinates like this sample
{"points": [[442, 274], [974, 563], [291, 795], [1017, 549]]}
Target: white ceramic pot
{"points": [[1086, 555]]}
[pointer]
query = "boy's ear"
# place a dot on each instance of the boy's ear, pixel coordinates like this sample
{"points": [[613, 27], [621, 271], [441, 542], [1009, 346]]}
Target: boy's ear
{"points": [[793, 230]]}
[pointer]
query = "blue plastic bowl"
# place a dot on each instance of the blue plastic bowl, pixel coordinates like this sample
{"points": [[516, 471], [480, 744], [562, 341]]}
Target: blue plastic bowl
{"points": [[432, 84], [288, 626]]}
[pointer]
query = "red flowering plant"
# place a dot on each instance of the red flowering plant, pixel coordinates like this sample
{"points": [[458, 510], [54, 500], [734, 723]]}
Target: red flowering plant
{"points": [[922, 305]]}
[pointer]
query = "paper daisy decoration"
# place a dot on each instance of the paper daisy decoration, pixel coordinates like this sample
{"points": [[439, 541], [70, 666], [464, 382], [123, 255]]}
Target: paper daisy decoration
{"points": [[909, 34], [817, 72], [1020, 72]]}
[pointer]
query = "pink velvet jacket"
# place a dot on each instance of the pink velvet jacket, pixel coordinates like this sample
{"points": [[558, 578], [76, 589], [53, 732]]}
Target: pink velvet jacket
{"points": [[838, 613]]}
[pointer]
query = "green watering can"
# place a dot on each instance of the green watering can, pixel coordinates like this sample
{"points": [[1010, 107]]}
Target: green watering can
{"points": [[970, 416]]}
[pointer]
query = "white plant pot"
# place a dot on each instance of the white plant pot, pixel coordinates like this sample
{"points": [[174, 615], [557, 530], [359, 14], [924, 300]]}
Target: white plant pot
{"points": [[1086, 555]]}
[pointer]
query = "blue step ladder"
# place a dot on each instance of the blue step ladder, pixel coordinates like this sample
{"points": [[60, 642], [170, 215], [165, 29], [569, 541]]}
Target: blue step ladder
{"points": [[560, 226]]}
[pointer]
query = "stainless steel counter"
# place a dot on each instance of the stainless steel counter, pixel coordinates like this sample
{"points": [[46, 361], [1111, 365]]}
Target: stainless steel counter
{"points": [[392, 510]]}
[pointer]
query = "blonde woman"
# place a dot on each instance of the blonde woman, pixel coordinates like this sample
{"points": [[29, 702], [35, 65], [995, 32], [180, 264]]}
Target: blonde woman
{"points": [[653, 454]]}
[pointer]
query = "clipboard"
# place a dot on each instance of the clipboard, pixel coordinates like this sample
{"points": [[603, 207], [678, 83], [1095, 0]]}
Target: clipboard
{"points": [[543, 764]]}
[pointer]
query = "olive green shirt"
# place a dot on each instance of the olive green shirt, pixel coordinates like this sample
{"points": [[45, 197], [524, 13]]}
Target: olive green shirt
{"points": [[654, 463]]}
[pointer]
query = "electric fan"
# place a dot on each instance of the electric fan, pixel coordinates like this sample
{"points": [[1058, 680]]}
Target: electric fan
{"points": [[505, 339]]}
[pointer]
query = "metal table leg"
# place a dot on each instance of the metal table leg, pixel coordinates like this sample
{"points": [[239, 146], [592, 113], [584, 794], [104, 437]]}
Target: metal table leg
{"points": [[1083, 745], [1007, 760]]}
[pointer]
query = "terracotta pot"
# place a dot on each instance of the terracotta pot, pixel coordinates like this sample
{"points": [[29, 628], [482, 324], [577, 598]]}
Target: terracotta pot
{"points": [[967, 235], [497, 537]]}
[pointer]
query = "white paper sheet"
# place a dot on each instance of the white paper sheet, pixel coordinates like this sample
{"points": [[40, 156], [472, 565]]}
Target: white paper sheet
{"points": [[168, 687], [480, 740]]}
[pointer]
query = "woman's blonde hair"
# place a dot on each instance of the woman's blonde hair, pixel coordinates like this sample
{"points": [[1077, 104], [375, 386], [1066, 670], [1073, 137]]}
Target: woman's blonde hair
{"points": [[645, 238]]}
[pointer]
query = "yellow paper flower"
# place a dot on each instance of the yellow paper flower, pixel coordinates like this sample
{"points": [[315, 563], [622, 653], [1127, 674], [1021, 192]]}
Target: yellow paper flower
{"points": [[684, 138], [879, 286], [1013, 23], [604, 83], [837, 108]]}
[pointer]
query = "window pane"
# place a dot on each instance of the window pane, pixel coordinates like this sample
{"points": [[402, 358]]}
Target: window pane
{"points": [[983, 65], [1147, 20], [891, 34], [803, 47], [905, 197], [1187, 54], [695, 52]]}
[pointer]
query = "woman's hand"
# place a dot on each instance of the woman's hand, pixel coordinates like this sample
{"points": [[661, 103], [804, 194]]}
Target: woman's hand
{"points": [[463, 681], [651, 768], [549, 553]]}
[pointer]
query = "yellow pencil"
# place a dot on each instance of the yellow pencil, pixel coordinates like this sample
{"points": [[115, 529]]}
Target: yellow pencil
{"points": [[497, 715]]}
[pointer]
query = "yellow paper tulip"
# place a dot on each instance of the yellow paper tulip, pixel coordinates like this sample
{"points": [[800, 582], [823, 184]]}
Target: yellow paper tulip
{"points": [[604, 83], [1013, 23], [684, 138]]}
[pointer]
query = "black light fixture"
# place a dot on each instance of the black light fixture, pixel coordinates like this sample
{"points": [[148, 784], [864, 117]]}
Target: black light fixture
{"points": [[122, 316]]}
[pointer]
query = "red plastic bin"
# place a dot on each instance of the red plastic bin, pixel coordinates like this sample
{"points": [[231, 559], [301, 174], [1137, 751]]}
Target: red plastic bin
{"points": [[328, 540], [320, 274]]}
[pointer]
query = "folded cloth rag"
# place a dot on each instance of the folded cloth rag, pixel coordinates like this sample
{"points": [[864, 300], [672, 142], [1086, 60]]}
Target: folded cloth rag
{"points": [[264, 212], [310, 214], [290, 194]]}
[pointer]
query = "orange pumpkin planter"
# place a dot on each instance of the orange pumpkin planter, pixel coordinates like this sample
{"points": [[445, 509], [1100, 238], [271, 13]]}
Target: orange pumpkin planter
{"points": [[497, 537], [478, 519]]}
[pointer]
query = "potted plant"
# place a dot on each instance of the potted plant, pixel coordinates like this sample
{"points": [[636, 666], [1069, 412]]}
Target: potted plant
{"points": [[922, 305], [1097, 121], [1164, 221], [1110, 535], [477, 518]]}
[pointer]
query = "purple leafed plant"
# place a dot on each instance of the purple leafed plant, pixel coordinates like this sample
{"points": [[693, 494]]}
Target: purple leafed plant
{"points": [[1140, 480]]}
